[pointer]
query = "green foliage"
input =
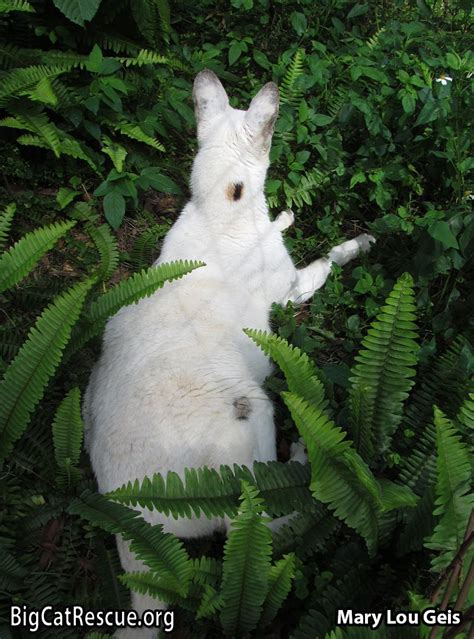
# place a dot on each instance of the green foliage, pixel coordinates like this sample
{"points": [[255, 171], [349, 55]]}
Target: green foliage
{"points": [[382, 376], [26, 377], [247, 556], [97, 126], [16, 263], [68, 430], [455, 499]]}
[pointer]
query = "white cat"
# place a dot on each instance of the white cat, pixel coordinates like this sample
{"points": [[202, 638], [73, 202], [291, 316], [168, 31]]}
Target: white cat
{"points": [[178, 383]]}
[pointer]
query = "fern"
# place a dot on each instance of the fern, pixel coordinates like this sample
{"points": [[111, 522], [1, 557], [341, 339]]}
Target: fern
{"points": [[68, 430], [303, 192], [246, 566], [465, 419], [300, 372], [455, 499], [134, 132], [164, 589], [162, 552], [140, 285], [382, 377], [129, 291], [21, 80], [6, 218], [145, 57], [340, 478], [213, 493], [12, 574], [16, 5], [306, 532], [279, 585], [67, 146], [107, 247], [23, 256], [35, 121], [289, 93], [27, 376]]}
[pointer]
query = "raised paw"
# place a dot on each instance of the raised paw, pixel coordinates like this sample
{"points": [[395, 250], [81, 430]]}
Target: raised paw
{"points": [[298, 452], [364, 240], [284, 220]]}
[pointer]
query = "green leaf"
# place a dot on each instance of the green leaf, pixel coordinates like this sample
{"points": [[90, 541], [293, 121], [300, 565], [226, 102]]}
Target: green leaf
{"points": [[78, 11], [441, 231], [27, 376], [156, 180], [246, 567], [160, 551], [65, 196], [210, 492], [235, 51], [455, 499], [299, 22], [22, 257], [428, 113], [383, 374], [279, 585], [300, 372], [6, 218], [357, 10], [322, 120], [340, 477], [408, 102], [114, 208], [68, 430]]}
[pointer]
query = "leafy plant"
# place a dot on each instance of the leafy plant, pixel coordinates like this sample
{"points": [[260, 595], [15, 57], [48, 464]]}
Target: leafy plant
{"points": [[343, 486]]}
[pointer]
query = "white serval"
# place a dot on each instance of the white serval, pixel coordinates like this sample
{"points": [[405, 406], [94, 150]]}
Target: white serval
{"points": [[178, 383]]}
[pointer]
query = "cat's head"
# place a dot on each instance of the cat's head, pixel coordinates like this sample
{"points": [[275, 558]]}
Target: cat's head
{"points": [[233, 156]]}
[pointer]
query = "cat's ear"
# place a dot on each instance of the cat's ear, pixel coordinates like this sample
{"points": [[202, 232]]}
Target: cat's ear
{"points": [[261, 115], [210, 99]]}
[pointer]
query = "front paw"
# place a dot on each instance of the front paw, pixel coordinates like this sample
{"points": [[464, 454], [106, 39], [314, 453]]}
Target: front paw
{"points": [[284, 220], [298, 452], [364, 242]]}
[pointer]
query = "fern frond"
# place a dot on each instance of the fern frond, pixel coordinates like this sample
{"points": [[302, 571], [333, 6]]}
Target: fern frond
{"points": [[37, 122], [134, 132], [127, 292], [306, 532], [12, 574], [279, 585], [374, 39], [162, 588], [16, 5], [340, 477], [18, 81], [108, 250], [455, 499], [137, 286], [162, 552], [116, 153], [23, 256], [216, 493], [246, 567], [68, 430], [27, 376], [465, 418], [338, 97], [6, 218], [300, 372], [289, 93], [211, 602], [303, 193], [384, 370], [145, 56], [207, 571]]}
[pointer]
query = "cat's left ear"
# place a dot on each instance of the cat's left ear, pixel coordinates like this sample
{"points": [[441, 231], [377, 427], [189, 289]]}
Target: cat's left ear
{"points": [[210, 99], [262, 114]]}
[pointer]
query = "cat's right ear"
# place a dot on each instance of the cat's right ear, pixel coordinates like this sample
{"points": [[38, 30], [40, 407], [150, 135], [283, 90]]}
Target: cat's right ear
{"points": [[210, 99]]}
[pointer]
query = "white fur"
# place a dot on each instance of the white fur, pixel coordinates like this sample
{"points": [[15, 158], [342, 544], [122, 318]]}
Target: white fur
{"points": [[162, 395]]}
